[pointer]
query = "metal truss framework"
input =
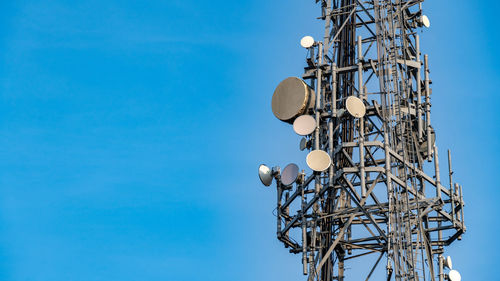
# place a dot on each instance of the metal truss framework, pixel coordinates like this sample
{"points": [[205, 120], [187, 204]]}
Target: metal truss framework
{"points": [[376, 198]]}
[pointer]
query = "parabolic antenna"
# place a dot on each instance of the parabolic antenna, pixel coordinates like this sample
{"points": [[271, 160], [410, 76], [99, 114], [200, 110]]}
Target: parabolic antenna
{"points": [[292, 98], [265, 175], [454, 275], [318, 160], [303, 144], [289, 174], [304, 125], [424, 20], [448, 263], [355, 107], [307, 42]]}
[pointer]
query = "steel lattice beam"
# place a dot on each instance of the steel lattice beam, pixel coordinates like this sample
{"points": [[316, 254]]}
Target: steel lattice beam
{"points": [[375, 198]]}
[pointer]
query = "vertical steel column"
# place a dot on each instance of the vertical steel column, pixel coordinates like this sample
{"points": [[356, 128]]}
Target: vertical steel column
{"points": [[441, 266], [318, 107], [361, 122], [436, 169], [419, 90], [428, 108], [304, 233]]}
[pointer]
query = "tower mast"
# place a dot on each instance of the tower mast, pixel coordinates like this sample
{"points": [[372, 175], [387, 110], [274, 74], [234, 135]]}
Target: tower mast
{"points": [[363, 109]]}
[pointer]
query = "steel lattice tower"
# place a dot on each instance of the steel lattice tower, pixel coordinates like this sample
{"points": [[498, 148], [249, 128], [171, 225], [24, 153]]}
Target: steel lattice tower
{"points": [[381, 195]]}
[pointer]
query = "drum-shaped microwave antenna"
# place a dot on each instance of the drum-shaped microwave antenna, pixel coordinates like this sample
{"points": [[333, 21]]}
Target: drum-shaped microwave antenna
{"points": [[289, 174], [318, 160], [454, 275], [307, 42], [265, 175], [304, 125], [292, 98], [355, 107]]}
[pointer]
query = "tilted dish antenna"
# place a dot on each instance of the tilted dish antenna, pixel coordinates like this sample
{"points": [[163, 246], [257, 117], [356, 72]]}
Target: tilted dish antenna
{"points": [[448, 263], [424, 21], [454, 275], [265, 175], [304, 125], [289, 174], [318, 160], [355, 107], [307, 42]]}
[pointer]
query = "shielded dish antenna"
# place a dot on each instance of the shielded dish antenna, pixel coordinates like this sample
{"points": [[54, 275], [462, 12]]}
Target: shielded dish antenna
{"points": [[307, 42], [292, 98]]}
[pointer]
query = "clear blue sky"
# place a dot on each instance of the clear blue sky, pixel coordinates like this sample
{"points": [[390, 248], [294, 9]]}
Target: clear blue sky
{"points": [[131, 132]]}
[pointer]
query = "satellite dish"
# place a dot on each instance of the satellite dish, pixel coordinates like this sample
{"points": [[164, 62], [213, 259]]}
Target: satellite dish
{"points": [[304, 125], [454, 275], [265, 175], [448, 263], [303, 144], [307, 42], [318, 160], [289, 174], [424, 20], [355, 107], [292, 98]]}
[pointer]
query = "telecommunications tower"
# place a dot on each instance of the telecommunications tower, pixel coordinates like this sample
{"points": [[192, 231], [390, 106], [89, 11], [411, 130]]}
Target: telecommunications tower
{"points": [[374, 188]]}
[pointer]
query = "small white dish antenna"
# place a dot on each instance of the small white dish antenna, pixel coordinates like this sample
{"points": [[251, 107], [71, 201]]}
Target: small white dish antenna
{"points": [[454, 275], [355, 107], [304, 125], [265, 175], [318, 160], [448, 263], [290, 174], [307, 42], [424, 20]]}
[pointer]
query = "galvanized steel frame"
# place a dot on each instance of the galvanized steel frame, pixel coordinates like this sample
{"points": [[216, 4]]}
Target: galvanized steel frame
{"points": [[376, 198]]}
